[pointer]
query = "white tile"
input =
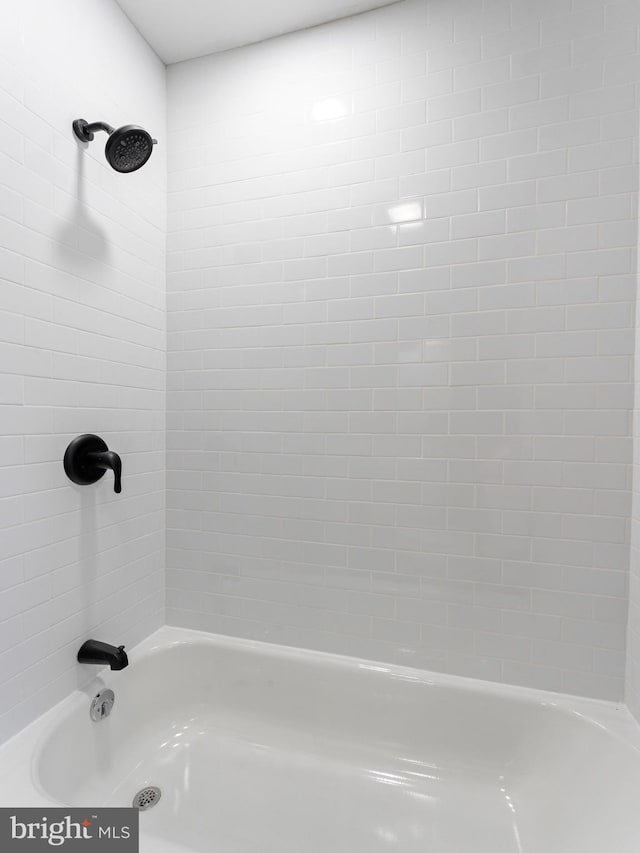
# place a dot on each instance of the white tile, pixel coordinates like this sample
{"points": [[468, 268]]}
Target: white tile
{"points": [[405, 336], [87, 336]]}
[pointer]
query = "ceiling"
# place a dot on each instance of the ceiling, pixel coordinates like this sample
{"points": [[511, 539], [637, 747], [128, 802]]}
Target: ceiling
{"points": [[184, 29]]}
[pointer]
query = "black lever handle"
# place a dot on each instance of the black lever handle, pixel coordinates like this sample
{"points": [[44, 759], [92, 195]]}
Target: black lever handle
{"points": [[105, 460], [88, 457]]}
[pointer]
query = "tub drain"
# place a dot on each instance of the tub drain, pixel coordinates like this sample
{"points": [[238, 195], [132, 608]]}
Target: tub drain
{"points": [[147, 798]]}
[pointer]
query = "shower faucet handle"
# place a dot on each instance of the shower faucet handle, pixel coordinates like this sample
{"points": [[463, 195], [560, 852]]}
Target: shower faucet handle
{"points": [[87, 458], [108, 459]]}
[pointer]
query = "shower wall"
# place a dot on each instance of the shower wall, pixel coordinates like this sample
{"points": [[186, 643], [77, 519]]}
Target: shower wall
{"points": [[633, 632], [401, 286], [82, 346]]}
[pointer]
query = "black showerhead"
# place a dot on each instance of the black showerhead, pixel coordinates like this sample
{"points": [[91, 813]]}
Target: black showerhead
{"points": [[128, 148]]}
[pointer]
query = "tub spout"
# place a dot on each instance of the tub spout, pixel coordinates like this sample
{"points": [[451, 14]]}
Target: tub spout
{"points": [[93, 651]]}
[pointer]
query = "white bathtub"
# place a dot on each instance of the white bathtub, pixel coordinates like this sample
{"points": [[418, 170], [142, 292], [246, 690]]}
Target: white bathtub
{"points": [[263, 749]]}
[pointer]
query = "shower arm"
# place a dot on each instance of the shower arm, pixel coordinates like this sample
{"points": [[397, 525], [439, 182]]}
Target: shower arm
{"points": [[85, 131], [99, 125]]}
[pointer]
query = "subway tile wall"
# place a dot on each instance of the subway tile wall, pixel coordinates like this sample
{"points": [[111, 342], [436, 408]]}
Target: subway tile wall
{"points": [[633, 630], [401, 306], [82, 347]]}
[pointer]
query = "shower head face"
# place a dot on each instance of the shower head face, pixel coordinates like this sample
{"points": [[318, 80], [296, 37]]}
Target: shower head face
{"points": [[128, 148]]}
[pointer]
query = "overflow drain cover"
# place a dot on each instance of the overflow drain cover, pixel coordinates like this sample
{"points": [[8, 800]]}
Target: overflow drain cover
{"points": [[147, 798]]}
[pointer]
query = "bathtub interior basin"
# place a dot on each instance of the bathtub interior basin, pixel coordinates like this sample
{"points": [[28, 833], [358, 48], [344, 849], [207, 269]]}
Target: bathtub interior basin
{"points": [[259, 748]]}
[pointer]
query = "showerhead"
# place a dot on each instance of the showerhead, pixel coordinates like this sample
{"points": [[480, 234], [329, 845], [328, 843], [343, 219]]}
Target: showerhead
{"points": [[127, 149]]}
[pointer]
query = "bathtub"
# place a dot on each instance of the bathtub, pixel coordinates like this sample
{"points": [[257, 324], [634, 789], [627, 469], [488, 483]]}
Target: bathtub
{"points": [[262, 749]]}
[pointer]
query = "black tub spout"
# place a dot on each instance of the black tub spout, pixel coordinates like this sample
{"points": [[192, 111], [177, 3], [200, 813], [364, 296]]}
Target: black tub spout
{"points": [[93, 651]]}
